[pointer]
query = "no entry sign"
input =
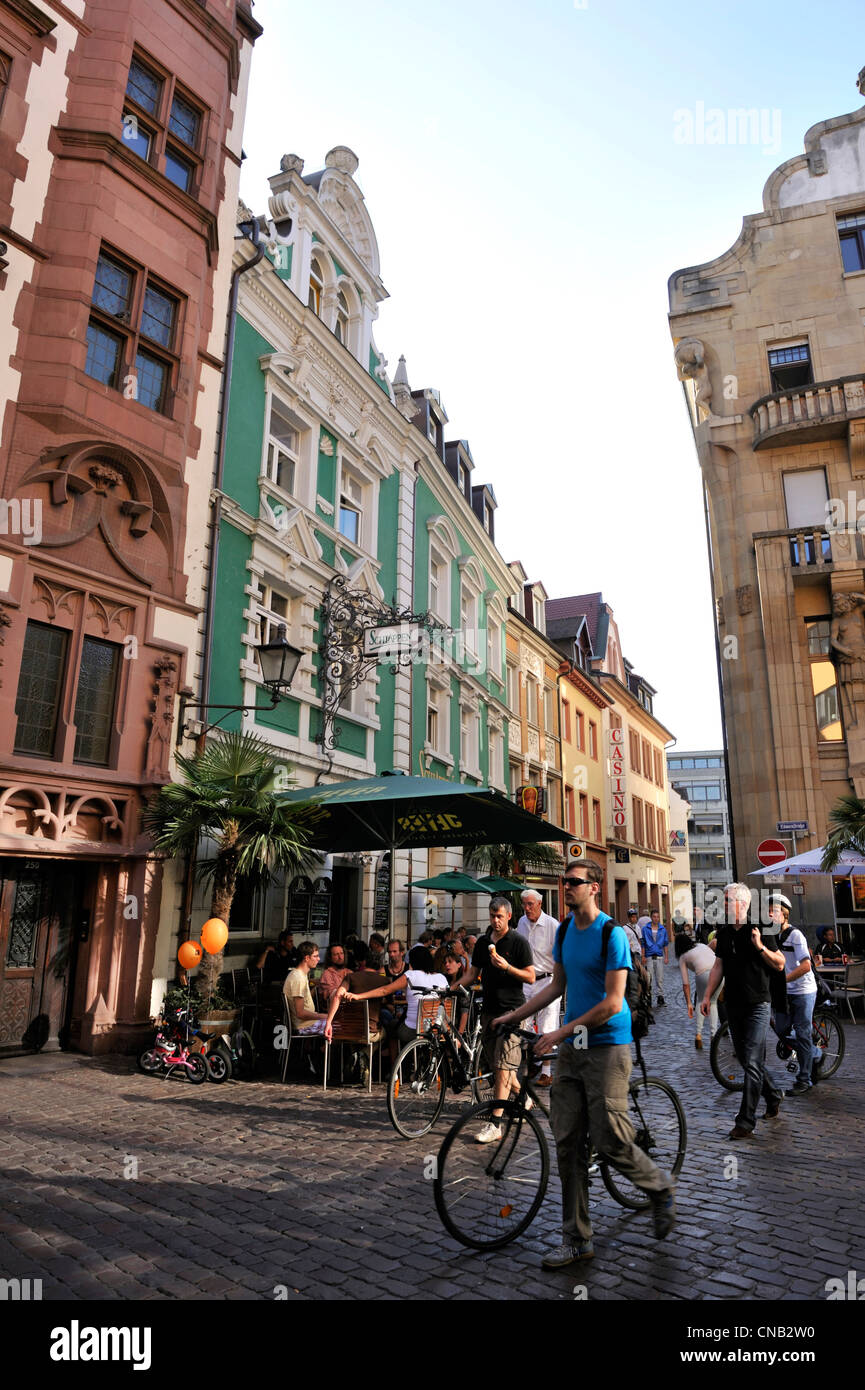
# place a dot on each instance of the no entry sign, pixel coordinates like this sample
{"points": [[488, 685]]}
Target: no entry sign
{"points": [[771, 852]]}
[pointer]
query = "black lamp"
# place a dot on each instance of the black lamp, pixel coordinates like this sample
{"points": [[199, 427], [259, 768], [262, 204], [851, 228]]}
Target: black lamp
{"points": [[279, 661]]}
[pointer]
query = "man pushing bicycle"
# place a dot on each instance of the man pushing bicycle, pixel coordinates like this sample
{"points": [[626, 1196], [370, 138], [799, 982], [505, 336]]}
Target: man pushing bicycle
{"points": [[593, 1067]]}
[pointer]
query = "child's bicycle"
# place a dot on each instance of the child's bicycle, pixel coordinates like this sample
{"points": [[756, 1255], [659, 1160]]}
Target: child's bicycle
{"points": [[439, 1057], [170, 1053], [488, 1194]]}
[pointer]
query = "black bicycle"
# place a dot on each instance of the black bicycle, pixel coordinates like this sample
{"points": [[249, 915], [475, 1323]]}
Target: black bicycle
{"points": [[488, 1194], [438, 1058], [827, 1033]]}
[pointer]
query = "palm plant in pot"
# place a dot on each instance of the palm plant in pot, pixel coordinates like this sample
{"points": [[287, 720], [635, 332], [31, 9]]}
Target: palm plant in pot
{"points": [[225, 796]]}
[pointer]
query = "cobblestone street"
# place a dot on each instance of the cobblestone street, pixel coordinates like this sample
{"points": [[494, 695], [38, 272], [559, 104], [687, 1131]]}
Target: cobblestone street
{"points": [[243, 1188]]}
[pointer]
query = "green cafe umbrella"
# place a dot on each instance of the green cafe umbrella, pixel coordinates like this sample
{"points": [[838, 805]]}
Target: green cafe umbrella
{"points": [[400, 812], [495, 884], [453, 882]]}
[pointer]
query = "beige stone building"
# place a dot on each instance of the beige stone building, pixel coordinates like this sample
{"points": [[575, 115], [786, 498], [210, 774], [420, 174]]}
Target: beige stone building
{"points": [[769, 346]]}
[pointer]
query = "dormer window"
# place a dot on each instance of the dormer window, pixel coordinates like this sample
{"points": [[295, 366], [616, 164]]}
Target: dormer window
{"points": [[431, 430], [341, 325], [461, 475], [316, 287], [538, 613]]}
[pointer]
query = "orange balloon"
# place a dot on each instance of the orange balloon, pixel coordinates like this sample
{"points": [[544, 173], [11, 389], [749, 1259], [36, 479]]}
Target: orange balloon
{"points": [[214, 935], [189, 954]]}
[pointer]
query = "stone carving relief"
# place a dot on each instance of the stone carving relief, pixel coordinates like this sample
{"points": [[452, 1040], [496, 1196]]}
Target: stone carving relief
{"points": [[691, 366], [534, 744], [5, 621], [515, 736], [47, 814], [291, 164], [744, 599], [162, 704], [848, 645], [532, 665], [93, 486]]}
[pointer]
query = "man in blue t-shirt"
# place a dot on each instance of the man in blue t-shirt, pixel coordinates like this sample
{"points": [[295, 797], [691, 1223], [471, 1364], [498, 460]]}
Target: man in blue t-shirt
{"points": [[593, 1067]]}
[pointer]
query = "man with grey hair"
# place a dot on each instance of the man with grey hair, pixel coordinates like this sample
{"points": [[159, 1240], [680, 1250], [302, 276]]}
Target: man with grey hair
{"points": [[745, 963], [539, 929]]}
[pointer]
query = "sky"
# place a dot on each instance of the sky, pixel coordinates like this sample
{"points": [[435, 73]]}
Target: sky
{"points": [[534, 174]]}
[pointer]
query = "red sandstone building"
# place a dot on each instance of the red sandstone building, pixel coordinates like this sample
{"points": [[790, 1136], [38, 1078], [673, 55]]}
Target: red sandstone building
{"points": [[120, 130]]}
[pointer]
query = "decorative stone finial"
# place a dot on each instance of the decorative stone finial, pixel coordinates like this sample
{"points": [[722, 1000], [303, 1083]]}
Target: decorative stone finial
{"points": [[291, 164], [342, 158], [860, 82], [244, 213]]}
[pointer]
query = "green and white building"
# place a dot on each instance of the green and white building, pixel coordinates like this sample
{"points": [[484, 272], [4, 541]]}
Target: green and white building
{"points": [[334, 476]]}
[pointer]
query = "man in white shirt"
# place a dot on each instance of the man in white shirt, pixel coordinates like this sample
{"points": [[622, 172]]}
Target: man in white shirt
{"points": [[539, 929]]}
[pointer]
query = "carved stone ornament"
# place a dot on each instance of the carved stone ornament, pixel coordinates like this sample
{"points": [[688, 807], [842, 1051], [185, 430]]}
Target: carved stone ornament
{"points": [[291, 164], [691, 365], [244, 213], [744, 599], [162, 704], [719, 611], [341, 158], [817, 162], [325, 445]]}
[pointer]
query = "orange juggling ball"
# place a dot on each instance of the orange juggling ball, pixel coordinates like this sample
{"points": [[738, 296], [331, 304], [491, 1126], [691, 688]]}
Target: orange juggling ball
{"points": [[189, 954], [214, 935]]}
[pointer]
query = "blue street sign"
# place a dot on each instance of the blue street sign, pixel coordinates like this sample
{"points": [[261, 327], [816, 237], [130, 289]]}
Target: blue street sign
{"points": [[792, 827]]}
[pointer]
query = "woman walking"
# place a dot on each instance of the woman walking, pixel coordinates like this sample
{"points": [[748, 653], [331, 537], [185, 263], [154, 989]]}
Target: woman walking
{"points": [[699, 959]]}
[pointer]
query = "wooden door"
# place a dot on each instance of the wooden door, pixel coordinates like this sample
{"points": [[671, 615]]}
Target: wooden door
{"points": [[39, 903]]}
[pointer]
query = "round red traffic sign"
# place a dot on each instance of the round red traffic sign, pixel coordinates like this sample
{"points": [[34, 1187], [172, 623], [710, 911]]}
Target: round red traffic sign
{"points": [[771, 852]]}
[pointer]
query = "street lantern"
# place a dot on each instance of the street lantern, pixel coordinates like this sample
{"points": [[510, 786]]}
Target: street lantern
{"points": [[279, 661]]}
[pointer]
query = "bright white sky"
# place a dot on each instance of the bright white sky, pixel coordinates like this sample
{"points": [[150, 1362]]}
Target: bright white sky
{"points": [[525, 171]]}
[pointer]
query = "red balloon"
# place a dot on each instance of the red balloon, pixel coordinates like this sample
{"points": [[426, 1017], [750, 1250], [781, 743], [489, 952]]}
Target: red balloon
{"points": [[189, 954], [214, 935]]}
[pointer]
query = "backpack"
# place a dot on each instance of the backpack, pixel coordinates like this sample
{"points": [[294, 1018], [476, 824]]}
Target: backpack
{"points": [[638, 987], [824, 993]]}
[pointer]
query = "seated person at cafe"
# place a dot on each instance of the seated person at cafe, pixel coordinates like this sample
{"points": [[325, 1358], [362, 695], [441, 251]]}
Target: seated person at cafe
{"points": [[452, 967], [393, 1012], [376, 951], [304, 1018], [335, 970], [420, 974], [828, 951], [276, 961]]}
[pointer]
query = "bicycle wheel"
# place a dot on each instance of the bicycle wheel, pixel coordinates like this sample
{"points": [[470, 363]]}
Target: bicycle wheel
{"points": [[487, 1194], [726, 1067], [656, 1113], [244, 1060], [417, 1088], [218, 1067], [480, 1081], [197, 1071], [150, 1061], [828, 1035]]}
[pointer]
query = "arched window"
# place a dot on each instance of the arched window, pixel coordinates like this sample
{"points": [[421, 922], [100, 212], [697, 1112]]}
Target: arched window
{"points": [[341, 325], [316, 286]]}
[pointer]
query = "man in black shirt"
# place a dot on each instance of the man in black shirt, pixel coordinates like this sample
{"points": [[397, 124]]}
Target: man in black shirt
{"points": [[505, 958], [746, 964], [828, 949]]}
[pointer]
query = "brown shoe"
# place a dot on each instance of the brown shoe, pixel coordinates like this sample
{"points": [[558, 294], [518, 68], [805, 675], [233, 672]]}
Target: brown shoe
{"points": [[737, 1132], [544, 1080], [698, 1043]]}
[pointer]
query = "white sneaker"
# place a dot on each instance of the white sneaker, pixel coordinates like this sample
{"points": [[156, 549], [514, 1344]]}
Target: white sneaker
{"points": [[489, 1134]]}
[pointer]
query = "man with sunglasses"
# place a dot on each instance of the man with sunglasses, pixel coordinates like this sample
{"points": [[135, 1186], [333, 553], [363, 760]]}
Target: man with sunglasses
{"points": [[593, 1066]]}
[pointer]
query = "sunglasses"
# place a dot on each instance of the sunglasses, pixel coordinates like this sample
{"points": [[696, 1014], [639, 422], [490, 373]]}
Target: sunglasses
{"points": [[573, 882]]}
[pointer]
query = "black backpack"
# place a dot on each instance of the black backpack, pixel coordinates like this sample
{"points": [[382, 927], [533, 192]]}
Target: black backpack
{"points": [[638, 988]]}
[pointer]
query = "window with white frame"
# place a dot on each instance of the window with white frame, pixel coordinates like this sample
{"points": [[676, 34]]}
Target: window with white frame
{"points": [[532, 701], [470, 721], [437, 719], [316, 286], [549, 710], [494, 645], [515, 772], [274, 611], [283, 449], [340, 328], [513, 689], [351, 507], [538, 616], [439, 586], [497, 747]]}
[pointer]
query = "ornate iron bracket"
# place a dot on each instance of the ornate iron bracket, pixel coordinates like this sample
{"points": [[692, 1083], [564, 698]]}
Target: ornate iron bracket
{"points": [[345, 615]]}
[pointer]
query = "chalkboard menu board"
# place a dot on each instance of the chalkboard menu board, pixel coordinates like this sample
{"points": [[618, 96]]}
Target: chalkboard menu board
{"points": [[382, 896], [298, 914], [320, 915]]}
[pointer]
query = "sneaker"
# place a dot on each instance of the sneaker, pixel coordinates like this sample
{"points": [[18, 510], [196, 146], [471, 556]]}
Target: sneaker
{"points": [[737, 1132], [568, 1255], [698, 1043], [800, 1089], [661, 1001], [489, 1134], [664, 1214]]}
